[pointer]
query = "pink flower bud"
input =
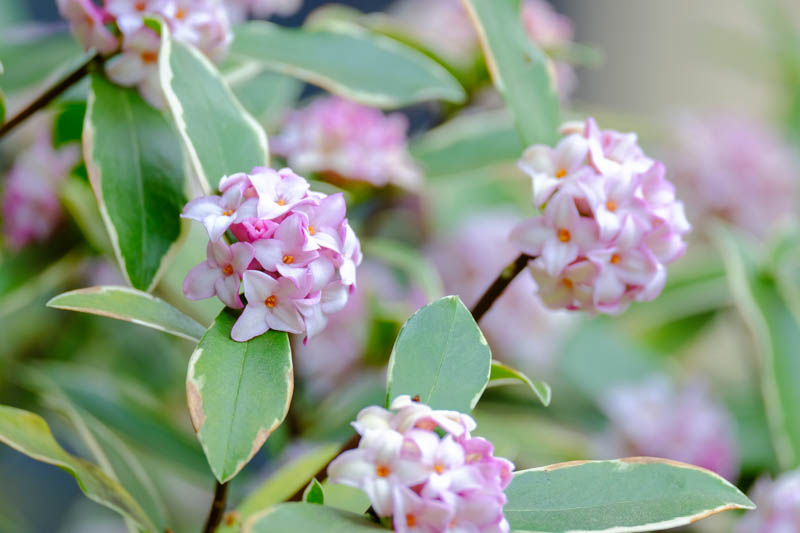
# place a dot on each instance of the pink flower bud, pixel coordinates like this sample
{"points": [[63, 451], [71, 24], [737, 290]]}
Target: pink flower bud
{"points": [[778, 504], [610, 223], [88, 23]]}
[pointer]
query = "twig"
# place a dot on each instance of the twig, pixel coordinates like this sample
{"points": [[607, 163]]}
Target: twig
{"points": [[217, 508], [51, 94], [496, 289]]}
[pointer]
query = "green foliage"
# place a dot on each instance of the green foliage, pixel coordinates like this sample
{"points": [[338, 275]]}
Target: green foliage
{"points": [[503, 374], [441, 356], [29, 434], [635, 494], [136, 170], [267, 95], [519, 69], [30, 62], [314, 493], [397, 75], [131, 305], [419, 269], [220, 136], [238, 393], [294, 517]]}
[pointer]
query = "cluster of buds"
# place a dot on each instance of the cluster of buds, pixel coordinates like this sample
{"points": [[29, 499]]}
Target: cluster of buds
{"points": [[737, 170], [120, 25], [296, 254], [654, 418], [778, 504], [239, 9], [610, 221], [425, 481], [348, 141], [31, 205]]}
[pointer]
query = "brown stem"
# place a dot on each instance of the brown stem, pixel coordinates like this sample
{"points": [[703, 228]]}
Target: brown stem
{"points": [[51, 94], [217, 508], [496, 289], [322, 473]]}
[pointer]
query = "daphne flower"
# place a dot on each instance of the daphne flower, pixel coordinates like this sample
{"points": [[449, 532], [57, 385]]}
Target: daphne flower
{"points": [[348, 141], [278, 192], [289, 251], [88, 23], [414, 514], [611, 221], [220, 274], [324, 221], [137, 65], [271, 304], [218, 213]]}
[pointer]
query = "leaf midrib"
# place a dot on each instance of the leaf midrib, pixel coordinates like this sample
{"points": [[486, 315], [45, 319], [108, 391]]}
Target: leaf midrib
{"points": [[444, 354], [233, 418], [139, 185]]}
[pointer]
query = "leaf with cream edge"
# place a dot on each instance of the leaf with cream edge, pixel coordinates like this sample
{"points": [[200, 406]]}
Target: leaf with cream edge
{"points": [[623, 495], [220, 136], [29, 434], [521, 72], [294, 517], [128, 304], [777, 334], [441, 356], [397, 75], [238, 393], [503, 374], [135, 166]]}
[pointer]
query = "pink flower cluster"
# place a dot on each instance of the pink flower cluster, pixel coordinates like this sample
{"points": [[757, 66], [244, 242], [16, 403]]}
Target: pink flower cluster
{"points": [[31, 206], [778, 504], [738, 170], [121, 23], [426, 482], [655, 418], [609, 225], [239, 9], [296, 254], [348, 141]]}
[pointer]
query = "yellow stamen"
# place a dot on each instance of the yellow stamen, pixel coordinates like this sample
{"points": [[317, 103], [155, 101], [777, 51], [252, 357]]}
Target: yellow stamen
{"points": [[228, 270], [439, 469], [411, 520], [611, 205], [271, 302], [561, 173], [383, 471], [288, 259], [566, 282], [311, 230], [149, 57], [564, 235], [615, 259]]}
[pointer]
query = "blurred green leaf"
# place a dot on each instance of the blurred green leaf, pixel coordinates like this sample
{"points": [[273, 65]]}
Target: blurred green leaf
{"points": [[128, 304], [238, 393], [441, 356], [626, 495], [468, 142], [78, 198], [519, 69], [267, 96], [370, 69], [502, 374], [2, 107], [33, 60], [28, 433], [219, 134], [295, 517], [408, 260], [135, 167], [777, 335], [68, 123], [314, 493]]}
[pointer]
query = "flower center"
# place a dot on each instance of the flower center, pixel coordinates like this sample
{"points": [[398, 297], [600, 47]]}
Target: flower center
{"points": [[611, 205], [382, 471], [439, 469], [228, 270], [561, 173], [311, 230], [411, 520], [566, 282], [140, 6], [270, 302], [281, 202], [615, 259], [227, 213], [564, 235], [288, 259], [180, 14], [149, 57]]}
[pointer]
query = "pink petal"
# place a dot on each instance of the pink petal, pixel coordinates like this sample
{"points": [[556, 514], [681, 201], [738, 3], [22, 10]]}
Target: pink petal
{"points": [[199, 283], [250, 324], [227, 288]]}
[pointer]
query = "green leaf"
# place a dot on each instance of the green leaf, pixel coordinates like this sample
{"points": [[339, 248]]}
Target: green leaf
{"points": [[518, 68], [633, 494], [2, 107], [238, 393], [68, 123], [267, 95], [294, 517], [441, 356], [130, 305], [314, 493], [31, 61], [220, 136], [350, 62], [468, 142], [135, 167], [28, 433], [410, 261], [777, 335], [505, 375], [77, 196]]}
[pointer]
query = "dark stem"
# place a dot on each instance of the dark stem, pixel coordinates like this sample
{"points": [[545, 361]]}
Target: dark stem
{"points": [[322, 473], [217, 508], [496, 289], [51, 94]]}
